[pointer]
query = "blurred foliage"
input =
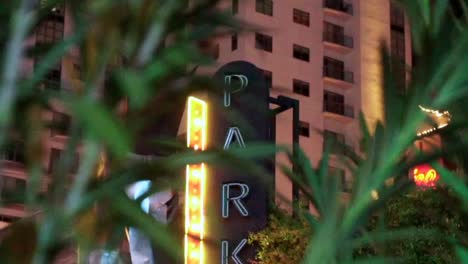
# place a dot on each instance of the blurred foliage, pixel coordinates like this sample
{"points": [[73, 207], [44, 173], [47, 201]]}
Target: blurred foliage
{"points": [[283, 241], [422, 209], [435, 209], [135, 55], [379, 170], [134, 65]]}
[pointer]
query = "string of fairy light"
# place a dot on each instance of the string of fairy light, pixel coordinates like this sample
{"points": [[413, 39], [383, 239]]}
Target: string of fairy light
{"points": [[438, 114]]}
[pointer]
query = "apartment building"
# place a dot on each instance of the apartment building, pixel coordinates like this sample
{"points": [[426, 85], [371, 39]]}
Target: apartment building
{"points": [[326, 54], [13, 174]]}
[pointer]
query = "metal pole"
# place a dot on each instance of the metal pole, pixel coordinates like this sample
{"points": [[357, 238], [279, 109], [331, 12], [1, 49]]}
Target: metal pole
{"points": [[286, 103], [296, 193]]}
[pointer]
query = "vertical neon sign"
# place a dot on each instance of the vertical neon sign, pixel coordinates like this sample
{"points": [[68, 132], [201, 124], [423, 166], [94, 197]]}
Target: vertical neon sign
{"points": [[197, 120]]}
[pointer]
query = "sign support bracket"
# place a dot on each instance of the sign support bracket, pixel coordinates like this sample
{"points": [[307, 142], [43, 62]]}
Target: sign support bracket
{"points": [[285, 103]]}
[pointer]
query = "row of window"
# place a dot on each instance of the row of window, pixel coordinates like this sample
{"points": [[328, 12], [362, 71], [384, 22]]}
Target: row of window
{"points": [[332, 67], [15, 153], [398, 45], [337, 172], [49, 31], [10, 186], [397, 31], [299, 86], [332, 33], [334, 140], [299, 16]]}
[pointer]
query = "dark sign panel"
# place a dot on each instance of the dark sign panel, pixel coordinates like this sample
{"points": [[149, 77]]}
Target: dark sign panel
{"points": [[236, 201]]}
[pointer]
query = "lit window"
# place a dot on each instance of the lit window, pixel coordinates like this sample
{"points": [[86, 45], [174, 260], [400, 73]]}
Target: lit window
{"points": [[301, 17]]}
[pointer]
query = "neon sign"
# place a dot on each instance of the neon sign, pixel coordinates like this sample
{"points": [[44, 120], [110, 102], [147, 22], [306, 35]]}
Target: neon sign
{"points": [[425, 176], [197, 122], [237, 202]]}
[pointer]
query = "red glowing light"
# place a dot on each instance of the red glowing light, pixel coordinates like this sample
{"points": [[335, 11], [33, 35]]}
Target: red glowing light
{"points": [[425, 176]]}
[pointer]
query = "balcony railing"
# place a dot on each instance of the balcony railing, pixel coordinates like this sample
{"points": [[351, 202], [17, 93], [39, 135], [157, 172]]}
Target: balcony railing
{"points": [[339, 74], [339, 109], [338, 38], [339, 5]]}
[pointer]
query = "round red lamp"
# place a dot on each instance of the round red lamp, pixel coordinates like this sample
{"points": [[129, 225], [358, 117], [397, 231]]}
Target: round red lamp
{"points": [[425, 176]]}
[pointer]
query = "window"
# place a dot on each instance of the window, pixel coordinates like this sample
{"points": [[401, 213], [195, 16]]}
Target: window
{"points": [[301, 87], [235, 6], [13, 151], [55, 158], [334, 68], [268, 75], [304, 129], [301, 17], [234, 42], [51, 29], [8, 219], [215, 52], [78, 73], [335, 34], [334, 140], [10, 185], [334, 136], [300, 52], [339, 5], [209, 48], [264, 6], [60, 123], [333, 102], [336, 172], [397, 16], [398, 44], [263, 42]]}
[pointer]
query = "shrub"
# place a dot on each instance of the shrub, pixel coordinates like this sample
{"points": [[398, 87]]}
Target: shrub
{"points": [[284, 240]]}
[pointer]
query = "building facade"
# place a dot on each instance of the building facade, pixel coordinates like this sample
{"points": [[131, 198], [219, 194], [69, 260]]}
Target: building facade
{"points": [[13, 175], [326, 54]]}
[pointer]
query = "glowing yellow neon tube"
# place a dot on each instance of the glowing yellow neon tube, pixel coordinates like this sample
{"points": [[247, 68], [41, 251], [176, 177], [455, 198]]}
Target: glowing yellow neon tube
{"points": [[195, 182]]}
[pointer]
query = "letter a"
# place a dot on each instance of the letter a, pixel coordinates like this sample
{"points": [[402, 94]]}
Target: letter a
{"points": [[234, 132]]}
